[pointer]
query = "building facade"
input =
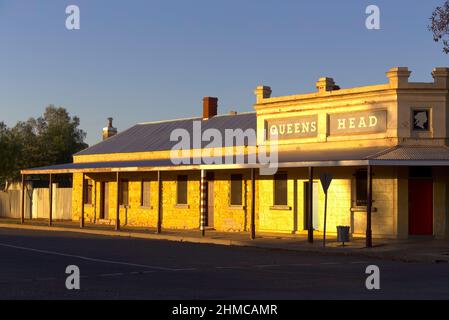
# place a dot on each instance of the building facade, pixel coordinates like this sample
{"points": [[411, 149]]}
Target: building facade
{"points": [[386, 147]]}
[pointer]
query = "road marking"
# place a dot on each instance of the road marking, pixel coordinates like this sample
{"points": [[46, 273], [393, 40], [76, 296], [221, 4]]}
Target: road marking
{"points": [[267, 266], [359, 262], [329, 263], [95, 259], [46, 279], [111, 274]]}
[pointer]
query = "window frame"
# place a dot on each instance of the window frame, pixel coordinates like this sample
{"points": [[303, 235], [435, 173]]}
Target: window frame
{"points": [[235, 178], [183, 179], [360, 180], [122, 197], [277, 179], [88, 192], [143, 192]]}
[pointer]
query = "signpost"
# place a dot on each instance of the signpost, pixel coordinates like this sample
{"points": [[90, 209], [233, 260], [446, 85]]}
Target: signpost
{"points": [[326, 179]]}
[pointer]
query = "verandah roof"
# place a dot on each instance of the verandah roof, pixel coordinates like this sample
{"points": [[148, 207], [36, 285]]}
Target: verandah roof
{"points": [[375, 156]]}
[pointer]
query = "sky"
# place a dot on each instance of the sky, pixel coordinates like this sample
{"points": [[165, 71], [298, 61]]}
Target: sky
{"points": [[145, 60]]}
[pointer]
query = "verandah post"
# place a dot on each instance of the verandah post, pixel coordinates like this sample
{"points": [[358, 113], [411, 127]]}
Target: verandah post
{"points": [[310, 207], [203, 202], [253, 204], [159, 203], [369, 240], [117, 208], [22, 216], [50, 199], [83, 195]]}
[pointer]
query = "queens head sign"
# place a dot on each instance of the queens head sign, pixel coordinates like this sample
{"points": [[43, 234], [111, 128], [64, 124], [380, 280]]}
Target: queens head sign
{"points": [[292, 128], [358, 122]]}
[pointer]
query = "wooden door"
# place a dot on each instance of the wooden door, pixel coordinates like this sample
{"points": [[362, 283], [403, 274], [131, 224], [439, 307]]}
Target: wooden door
{"points": [[104, 203], [420, 206]]}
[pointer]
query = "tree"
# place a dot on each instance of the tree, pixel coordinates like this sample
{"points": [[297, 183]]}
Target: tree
{"points": [[50, 139], [439, 25], [9, 151]]}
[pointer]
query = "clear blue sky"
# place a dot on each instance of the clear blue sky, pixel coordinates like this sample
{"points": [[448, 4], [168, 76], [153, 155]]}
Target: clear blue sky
{"points": [[142, 60]]}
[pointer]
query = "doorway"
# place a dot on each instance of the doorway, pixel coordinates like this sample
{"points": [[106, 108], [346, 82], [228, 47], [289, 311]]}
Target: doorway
{"points": [[420, 206], [104, 200], [315, 217], [210, 200]]}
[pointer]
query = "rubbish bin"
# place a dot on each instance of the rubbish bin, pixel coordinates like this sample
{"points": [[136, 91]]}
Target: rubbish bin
{"points": [[343, 234]]}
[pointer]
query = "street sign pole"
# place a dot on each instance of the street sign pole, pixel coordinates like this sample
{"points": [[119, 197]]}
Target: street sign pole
{"points": [[326, 179], [325, 218]]}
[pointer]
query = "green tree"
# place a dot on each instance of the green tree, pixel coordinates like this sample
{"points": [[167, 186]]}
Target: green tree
{"points": [[50, 139], [9, 151], [439, 25]]}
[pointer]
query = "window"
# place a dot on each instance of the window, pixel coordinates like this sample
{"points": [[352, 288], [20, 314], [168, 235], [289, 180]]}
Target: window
{"points": [[124, 193], [280, 189], [88, 187], [181, 190], [145, 193], [421, 120], [236, 189], [361, 192]]}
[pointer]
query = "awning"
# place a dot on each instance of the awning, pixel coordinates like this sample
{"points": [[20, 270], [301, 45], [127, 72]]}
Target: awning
{"points": [[376, 156]]}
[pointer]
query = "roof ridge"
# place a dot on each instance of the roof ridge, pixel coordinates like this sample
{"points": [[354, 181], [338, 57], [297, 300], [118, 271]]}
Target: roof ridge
{"points": [[192, 118], [163, 121]]}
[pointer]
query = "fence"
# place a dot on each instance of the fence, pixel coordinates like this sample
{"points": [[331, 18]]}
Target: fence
{"points": [[37, 204]]}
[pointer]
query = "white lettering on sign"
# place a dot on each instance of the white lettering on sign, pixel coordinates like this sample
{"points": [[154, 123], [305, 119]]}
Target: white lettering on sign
{"points": [[358, 122], [292, 128]]}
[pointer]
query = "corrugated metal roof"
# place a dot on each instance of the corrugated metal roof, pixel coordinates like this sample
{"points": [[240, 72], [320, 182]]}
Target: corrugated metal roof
{"points": [[330, 154], [414, 153], [155, 136], [401, 155]]}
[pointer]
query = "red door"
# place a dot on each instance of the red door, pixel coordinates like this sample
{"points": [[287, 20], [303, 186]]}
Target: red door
{"points": [[420, 206]]}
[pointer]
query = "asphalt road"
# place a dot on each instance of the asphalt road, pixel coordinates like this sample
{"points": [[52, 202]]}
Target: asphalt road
{"points": [[33, 264]]}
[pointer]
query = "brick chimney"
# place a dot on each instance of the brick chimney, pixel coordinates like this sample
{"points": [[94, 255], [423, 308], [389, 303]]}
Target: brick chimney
{"points": [[109, 131], [210, 107]]}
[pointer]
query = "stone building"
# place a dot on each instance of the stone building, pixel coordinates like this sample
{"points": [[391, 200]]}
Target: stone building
{"points": [[384, 145]]}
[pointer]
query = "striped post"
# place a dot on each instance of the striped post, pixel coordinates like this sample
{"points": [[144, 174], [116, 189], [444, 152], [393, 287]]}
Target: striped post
{"points": [[203, 202]]}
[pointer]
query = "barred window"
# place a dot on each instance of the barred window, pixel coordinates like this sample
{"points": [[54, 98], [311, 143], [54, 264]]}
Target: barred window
{"points": [[145, 194], [181, 190], [236, 189], [280, 189]]}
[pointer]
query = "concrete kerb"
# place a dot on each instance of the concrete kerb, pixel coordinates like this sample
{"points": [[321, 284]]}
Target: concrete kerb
{"points": [[394, 255]]}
